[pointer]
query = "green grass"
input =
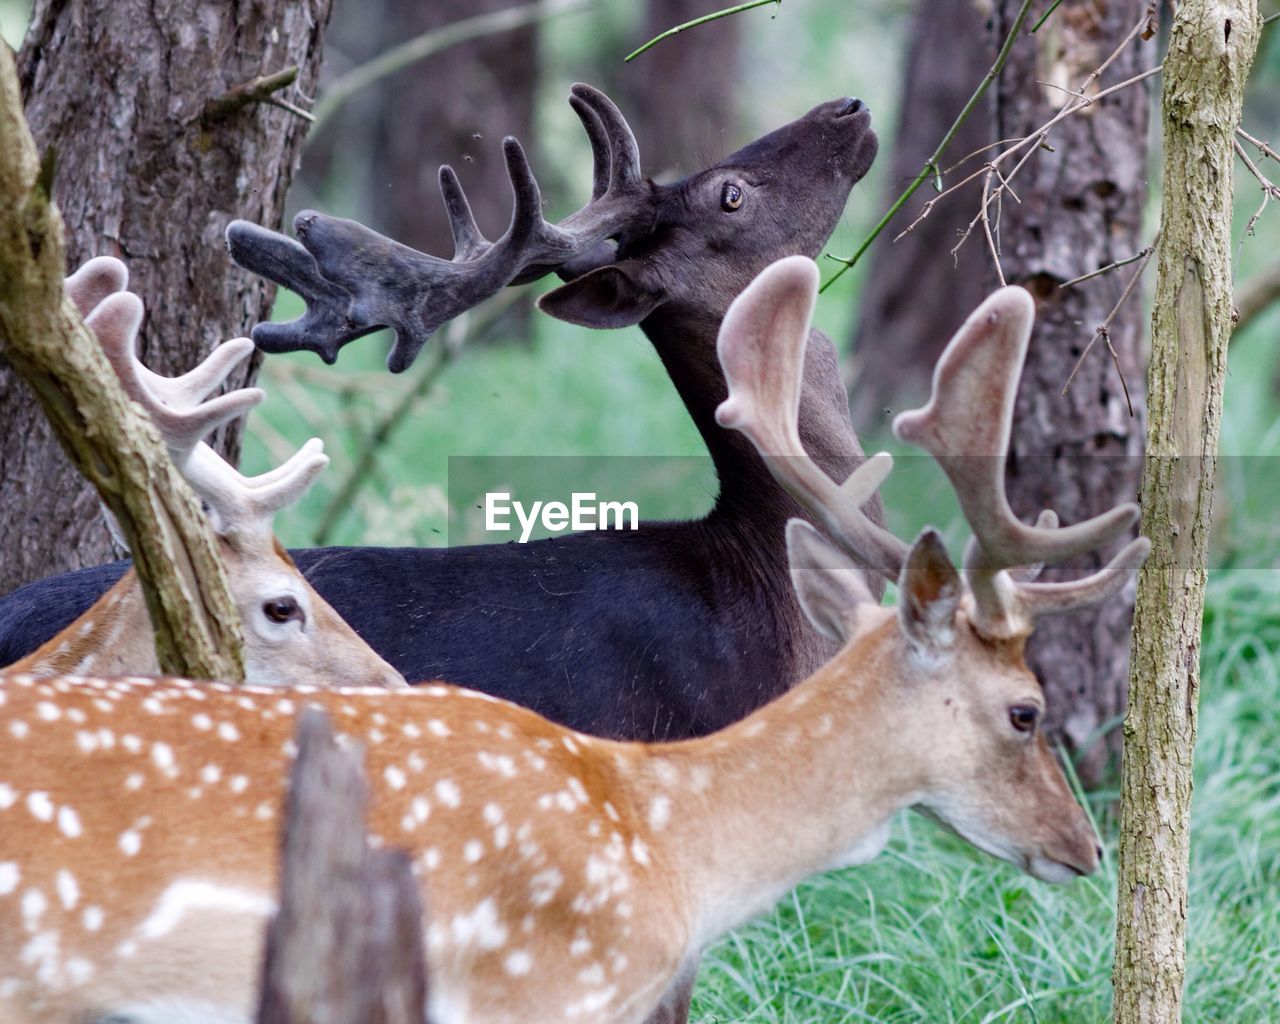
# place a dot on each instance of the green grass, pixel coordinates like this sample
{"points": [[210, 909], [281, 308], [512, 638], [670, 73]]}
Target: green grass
{"points": [[934, 931]]}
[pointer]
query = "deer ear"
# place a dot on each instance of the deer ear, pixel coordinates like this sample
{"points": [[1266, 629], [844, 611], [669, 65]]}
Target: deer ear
{"points": [[929, 590], [612, 296], [829, 584]]}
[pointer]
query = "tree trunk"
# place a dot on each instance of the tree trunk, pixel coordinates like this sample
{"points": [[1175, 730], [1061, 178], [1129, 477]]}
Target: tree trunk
{"points": [[679, 97], [1080, 210], [1210, 53], [42, 335], [120, 90], [916, 294]]}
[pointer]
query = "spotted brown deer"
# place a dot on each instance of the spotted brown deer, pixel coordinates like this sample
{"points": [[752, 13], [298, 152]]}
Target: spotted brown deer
{"points": [[676, 629], [571, 877], [288, 627]]}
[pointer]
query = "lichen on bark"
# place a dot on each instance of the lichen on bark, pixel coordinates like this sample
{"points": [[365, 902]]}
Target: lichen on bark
{"points": [[1211, 50]]}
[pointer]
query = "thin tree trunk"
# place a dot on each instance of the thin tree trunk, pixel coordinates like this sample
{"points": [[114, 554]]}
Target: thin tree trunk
{"points": [[121, 90], [42, 335], [1211, 50], [916, 294], [1080, 210]]}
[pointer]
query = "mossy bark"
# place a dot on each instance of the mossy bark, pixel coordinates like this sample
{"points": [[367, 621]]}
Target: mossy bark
{"points": [[106, 436], [1211, 49]]}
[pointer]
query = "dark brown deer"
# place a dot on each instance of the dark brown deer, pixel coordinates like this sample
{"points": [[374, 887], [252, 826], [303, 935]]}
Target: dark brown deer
{"points": [[650, 634]]}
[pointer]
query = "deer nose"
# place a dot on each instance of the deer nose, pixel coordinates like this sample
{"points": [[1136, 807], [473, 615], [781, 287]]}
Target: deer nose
{"points": [[851, 106]]}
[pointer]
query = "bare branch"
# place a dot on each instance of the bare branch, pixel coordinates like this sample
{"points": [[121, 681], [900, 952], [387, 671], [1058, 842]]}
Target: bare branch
{"points": [[42, 334]]}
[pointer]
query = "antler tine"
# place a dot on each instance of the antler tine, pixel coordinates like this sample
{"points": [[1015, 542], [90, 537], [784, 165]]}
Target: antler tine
{"points": [[601, 155], [1035, 599], [468, 242], [174, 404], [248, 504], [762, 346], [624, 153], [326, 325], [94, 281], [966, 427]]}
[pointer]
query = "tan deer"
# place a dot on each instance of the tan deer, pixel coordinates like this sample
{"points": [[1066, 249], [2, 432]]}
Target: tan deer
{"points": [[290, 632], [569, 877]]}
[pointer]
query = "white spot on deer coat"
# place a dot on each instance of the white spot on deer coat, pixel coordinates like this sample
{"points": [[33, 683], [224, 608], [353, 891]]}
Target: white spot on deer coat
{"points": [[92, 918], [69, 822], [544, 885], [202, 721], [130, 842], [472, 850], [133, 781], [40, 806], [395, 777], [19, 729], [210, 774], [518, 963], [48, 712], [189, 896], [8, 797], [228, 732], [480, 928], [447, 793], [239, 783], [10, 876], [34, 905], [438, 728], [67, 889], [162, 755], [659, 813]]}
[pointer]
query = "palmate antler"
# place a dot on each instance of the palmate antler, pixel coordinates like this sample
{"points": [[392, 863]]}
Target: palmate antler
{"points": [[356, 281], [965, 427], [183, 412]]}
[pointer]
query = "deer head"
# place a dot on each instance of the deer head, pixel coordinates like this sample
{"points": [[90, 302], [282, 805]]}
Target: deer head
{"points": [[781, 194], [289, 629], [958, 639]]}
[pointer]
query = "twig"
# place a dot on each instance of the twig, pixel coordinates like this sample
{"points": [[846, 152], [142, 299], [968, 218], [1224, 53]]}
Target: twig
{"points": [[930, 166], [1141, 254], [256, 90], [696, 22], [1045, 17], [429, 43], [1269, 189], [1103, 330], [986, 228], [1263, 147]]}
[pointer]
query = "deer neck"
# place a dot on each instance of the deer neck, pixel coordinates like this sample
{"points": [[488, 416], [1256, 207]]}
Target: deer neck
{"points": [[748, 495], [805, 784], [114, 637]]}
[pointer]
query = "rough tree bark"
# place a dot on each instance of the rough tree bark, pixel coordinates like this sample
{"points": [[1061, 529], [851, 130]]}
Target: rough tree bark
{"points": [[1211, 50], [42, 335], [680, 97], [346, 945], [1080, 210], [121, 90], [916, 294]]}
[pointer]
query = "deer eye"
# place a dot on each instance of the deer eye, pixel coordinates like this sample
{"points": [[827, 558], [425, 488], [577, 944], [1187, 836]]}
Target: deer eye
{"points": [[282, 610], [1024, 717], [731, 197]]}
